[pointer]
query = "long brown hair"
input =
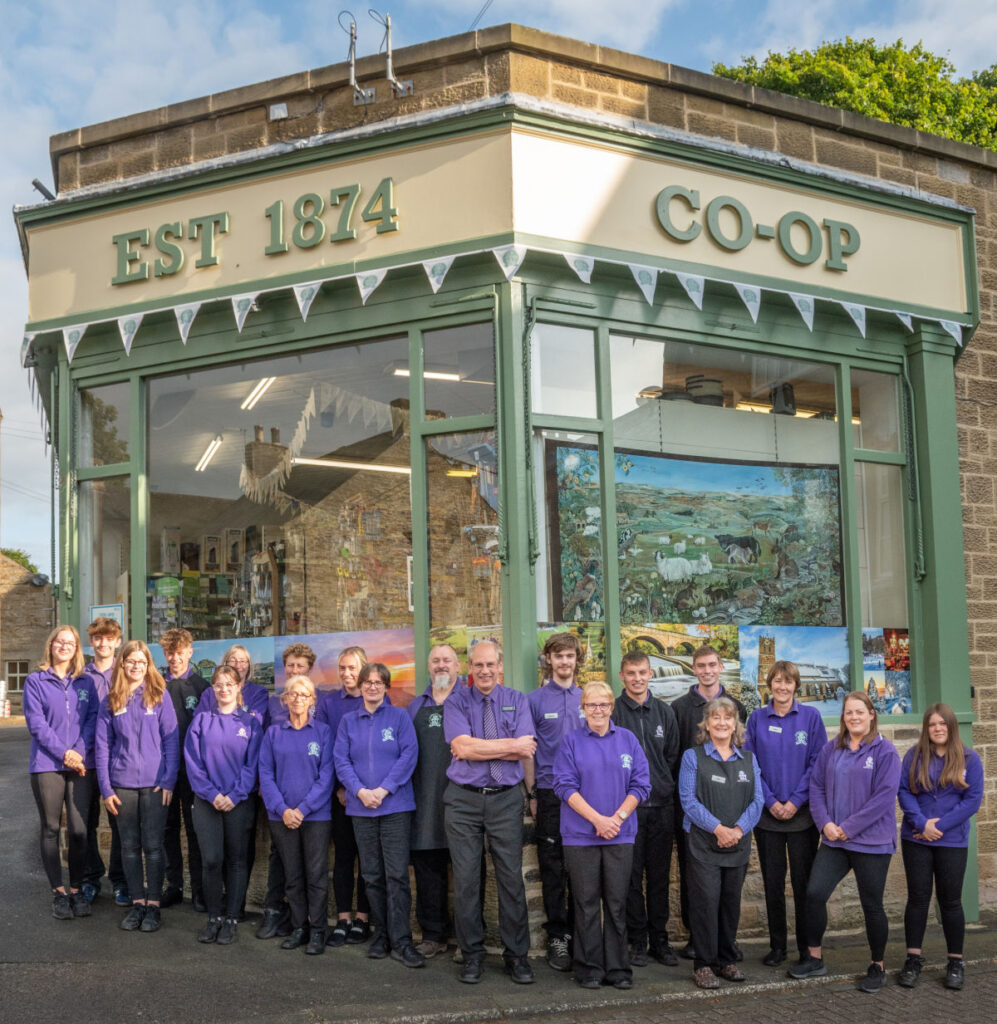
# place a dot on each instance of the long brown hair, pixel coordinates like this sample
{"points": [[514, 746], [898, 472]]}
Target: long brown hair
{"points": [[859, 695], [154, 684], [77, 661], [955, 755]]}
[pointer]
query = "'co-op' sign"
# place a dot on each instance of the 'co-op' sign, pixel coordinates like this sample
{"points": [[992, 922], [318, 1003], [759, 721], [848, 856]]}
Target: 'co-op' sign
{"points": [[799, 236]]}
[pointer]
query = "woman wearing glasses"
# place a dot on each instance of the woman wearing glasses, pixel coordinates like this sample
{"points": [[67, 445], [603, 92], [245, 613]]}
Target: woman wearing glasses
{"points": [[138, 756], [296, 779], [601, 774], [60, 708], [222, 751], [376, 751], [254, 697]]}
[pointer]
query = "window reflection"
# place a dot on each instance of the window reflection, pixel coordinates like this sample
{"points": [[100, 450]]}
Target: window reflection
{"points": [[104, 425], [459, 368]]}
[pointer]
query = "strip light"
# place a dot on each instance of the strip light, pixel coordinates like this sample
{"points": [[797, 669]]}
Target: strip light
{"points": [[343, 464], [401, 371], [209, 454], [257, 393]]}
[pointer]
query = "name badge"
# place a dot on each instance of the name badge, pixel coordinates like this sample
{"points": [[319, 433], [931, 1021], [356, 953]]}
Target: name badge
{"points": [[508, 707], [718, 778], [549, 714], [775, 728], [121, 712]]}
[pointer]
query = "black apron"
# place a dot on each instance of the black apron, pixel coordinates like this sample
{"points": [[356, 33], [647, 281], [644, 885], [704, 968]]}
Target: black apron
{"points": [[430, 779], [725, 789]]}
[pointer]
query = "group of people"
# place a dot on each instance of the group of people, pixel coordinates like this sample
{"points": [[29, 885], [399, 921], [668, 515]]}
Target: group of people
{"points": [[613, 784]]}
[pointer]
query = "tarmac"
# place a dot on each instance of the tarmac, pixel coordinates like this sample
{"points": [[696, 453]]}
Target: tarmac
{"points": [[89, 970]]}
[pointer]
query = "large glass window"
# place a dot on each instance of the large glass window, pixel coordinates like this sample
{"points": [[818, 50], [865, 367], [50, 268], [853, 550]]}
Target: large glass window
{"points": [[459, 371], [105, 543], [875, 414], [563, 371], [104, 425]]}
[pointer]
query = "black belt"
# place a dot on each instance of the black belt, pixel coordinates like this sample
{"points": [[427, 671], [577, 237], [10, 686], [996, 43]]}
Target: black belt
{"points": [[485, 790]]}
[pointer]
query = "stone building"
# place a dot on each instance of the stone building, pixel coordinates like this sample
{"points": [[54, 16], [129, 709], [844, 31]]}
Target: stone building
{"points": [[25, 620]]}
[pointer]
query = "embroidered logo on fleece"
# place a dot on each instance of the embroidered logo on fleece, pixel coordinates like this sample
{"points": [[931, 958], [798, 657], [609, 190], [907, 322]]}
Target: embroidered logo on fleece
{"points": [[242, 732], [659, 733], [190, 702], [313, 750], [868, 762], [627, 761], [387, 735], [801, 739], [84, 696]]}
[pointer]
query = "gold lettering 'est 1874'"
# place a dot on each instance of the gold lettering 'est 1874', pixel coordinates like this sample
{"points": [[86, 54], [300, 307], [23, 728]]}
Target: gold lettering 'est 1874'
{"points": [[310, 220], [729, 225]]}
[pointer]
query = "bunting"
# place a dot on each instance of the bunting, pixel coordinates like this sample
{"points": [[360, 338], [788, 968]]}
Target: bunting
{"points": [[26, 348], [71, 338], [752, 299], [437, 270], [954, 329], [185, 318], [693, 285], [646, 278], [510, 259], [857, 313], [906, 319], [305, 294], [368, 281], [128, 327], [805, 307], [241, 307], [581, 265]]}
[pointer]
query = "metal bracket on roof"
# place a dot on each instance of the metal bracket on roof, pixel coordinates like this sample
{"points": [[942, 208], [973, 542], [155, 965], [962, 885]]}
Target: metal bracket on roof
{"points": [[361, 96], [398, 88]]}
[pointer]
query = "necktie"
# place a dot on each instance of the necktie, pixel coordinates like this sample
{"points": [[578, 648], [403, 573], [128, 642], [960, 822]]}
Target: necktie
{"points": [[490, 730]]}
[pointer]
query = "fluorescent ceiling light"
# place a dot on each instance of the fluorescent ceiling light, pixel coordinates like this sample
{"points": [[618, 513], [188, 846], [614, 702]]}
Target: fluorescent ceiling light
{"points": [[462, 472], [343, 464], [209, 454], [257, 393], [402, 371]]}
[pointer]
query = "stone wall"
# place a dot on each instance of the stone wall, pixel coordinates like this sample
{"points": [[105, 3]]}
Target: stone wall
{"points": [[25, 615]]}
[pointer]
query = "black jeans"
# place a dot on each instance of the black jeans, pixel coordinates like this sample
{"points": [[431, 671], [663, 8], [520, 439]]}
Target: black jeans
{"points": [[773, 849], [830, 866], [180, 810], [647, 913], [304, 852], [382, 842], [94, 870], [714, 910], [344, 875], [141, 821], [947, 866], [600, 878], [432, 870], [52, 792], [222, 836], [682, 851], [553, 875]]}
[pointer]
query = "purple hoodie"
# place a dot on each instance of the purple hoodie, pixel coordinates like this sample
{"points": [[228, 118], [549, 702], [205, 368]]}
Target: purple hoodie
{"points": [[297, 771], [137, 747], [857, 790], [61, 715], [377, 749], [952, 807], [222, 753]]}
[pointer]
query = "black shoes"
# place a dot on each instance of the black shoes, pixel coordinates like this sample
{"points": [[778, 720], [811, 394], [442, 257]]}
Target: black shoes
{"points": [[558, 957], [359, 932], [316, 942], [197, 902], [592, 983], [80, 904], [338, 935], [210, 931], [812, 967], [378, 949], [472, 971], [688, 951], [519, 970], [132, 921], [151, 919], [272, 922], [623, 983], [171, 897], [409, 956], [774, 957], [910, 971], [226, 933], [297, 938], [954, 974], [664, 954], [62, 907], [638, 957], [874, 980]]}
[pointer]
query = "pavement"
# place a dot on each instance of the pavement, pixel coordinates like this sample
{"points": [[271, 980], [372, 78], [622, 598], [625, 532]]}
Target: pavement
{"points": [[89, 970]]}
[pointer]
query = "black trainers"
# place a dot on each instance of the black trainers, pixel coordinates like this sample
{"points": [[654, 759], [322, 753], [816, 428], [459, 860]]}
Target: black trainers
{"points": [[663, 953], [132, 921], [209, 933], [910, 971], [409, 956], [359, 932], [874, 980], [954, 974], [379, 948], [638, 955], [518, 968], [558, 956], [152, 919], [337, 937], [270, 922], [80, 904], [812, 967], [226, 932], [62, 907]]}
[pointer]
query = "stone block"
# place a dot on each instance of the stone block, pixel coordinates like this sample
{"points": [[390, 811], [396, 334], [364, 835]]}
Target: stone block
{"points": [[834, 152], [600, 83], [529, 75], [751, 135], [565, 73], [623, 107], [711, 127], [575, 97], [68, 172], [251, 136], [794, 139], [666, 106], [174, 147]]}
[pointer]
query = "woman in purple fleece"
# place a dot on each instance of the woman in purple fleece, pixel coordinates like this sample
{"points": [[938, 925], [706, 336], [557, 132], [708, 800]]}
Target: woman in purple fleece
{"points": [[853, 788]]}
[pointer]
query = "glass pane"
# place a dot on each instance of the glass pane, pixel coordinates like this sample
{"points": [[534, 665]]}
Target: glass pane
{"points": [[875, 412], [882, 561], [459, 368], [104, 425], [465, 576], [105, 545], [279, 495], [563, 373]]}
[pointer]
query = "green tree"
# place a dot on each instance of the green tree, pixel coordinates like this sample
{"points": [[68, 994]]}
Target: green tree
{"points": [[21, 557], [906, 86]]}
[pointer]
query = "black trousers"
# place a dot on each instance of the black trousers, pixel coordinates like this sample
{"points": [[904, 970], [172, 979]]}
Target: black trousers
{"points": [[946, 866], [141, 820], [830, 866], [600, 878], [773, 850], [432, 884], [52, 792], [180, 813], [344, 874], [553, 875], [647, 909], [222, 837], [682, 850], [304, 852], [714, 910], [383, 845], [276, 882], [469, 818], [93, 872]]}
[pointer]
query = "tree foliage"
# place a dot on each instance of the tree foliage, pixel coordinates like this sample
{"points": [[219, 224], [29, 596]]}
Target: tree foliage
{"points": [[905, 86], [21, 557]]}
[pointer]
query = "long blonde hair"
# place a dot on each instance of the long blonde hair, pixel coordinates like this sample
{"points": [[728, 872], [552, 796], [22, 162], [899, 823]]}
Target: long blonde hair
{"points": [[77, 662], [154, 684]]}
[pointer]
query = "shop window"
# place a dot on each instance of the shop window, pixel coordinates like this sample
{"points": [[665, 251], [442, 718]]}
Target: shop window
{"points": [[279, 497], [563, 371], [875, 414], [459, 371], [105, 545], [104, 425], [16, 672]]}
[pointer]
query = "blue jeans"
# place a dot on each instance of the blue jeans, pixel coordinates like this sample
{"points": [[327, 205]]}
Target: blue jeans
{"points": [[383, 844], [141, 821]]}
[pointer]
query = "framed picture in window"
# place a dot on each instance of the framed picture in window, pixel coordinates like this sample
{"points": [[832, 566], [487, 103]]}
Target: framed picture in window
{"points": [[235, 550], [211, 553]]}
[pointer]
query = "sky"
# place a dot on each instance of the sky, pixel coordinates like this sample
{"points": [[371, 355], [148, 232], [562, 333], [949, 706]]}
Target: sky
{"points": [[69, 63]]}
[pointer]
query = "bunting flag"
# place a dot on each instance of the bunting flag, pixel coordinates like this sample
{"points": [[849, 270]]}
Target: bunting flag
{"points": [[510, 259], [805, 307], [954, 329], [752, 299], [906, 319], [241, 305], [436, 271], [368, 281], [71, 338], [26, 348], [268, 488], [646, 278], [305, 294], [185, 318], [581, 265], [128, 326], [857, 313], [693, 285]]}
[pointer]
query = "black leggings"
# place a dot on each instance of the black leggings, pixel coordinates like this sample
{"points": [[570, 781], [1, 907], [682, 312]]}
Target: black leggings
{"points": [[223, 839], [53, 791], [830, 867], [947, 864]]}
